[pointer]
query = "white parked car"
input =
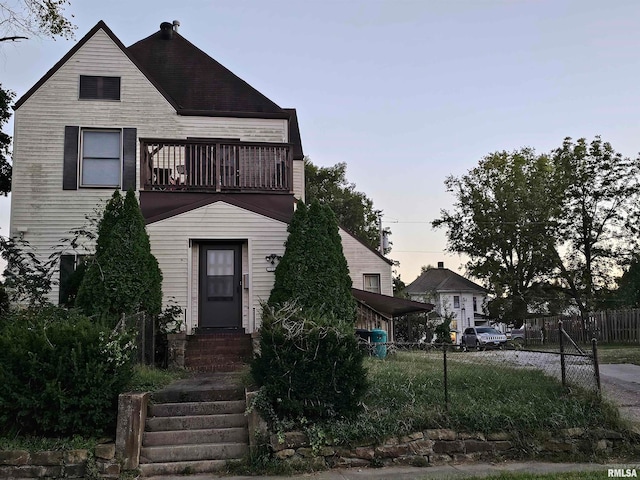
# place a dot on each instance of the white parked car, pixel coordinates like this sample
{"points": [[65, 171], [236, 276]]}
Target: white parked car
{"points": [[482, 337]]}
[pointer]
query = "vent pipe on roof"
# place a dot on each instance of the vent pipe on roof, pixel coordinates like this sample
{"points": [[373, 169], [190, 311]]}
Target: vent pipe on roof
{"points": [[166, 30], [176, 24], [440, 264]]}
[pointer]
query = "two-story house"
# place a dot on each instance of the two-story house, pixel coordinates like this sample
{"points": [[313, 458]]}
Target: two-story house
{"points": [[453, 295], [217, 166]]}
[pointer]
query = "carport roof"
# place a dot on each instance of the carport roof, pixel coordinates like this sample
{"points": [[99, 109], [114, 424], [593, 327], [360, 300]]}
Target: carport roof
{"points": [[392, 306]]}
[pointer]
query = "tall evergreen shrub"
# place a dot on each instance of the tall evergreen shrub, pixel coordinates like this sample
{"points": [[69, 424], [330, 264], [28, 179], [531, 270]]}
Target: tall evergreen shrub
{"points": [[313, 270], [309, 363], [124, 276]]}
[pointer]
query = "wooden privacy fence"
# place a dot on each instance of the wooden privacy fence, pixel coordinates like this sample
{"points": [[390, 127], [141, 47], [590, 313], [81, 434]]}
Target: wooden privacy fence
{"points": [[610, 326]]}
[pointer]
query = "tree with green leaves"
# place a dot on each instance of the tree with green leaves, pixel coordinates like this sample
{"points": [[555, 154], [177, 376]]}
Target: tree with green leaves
{"points": [[41, 18], [6, 97], [353, 209], [123, 276], [597, 228], [313, 270], [505, 213]]}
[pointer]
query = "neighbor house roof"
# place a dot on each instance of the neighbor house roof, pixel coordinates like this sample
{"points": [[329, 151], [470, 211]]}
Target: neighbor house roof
{"points": [[191, 81], [442, 280]]}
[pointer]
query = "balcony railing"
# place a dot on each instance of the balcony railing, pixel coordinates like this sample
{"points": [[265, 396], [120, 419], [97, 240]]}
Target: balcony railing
{"points": [[196, 165]]}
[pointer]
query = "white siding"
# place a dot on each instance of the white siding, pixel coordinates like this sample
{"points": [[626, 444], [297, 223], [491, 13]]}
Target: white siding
{"points": [[362, 260], [298, 179], [38, 203], [261, 236]]}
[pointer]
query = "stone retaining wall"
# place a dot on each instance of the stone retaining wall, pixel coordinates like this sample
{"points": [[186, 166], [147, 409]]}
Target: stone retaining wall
{"points": [[435, 447], [56, 464]]}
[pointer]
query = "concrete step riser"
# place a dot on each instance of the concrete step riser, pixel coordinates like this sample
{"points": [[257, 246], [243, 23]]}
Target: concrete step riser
{"points": [[181, 468], [179, 453], [195, 408], [191, 437], [233, 367], [158, 424], [174, 396]]}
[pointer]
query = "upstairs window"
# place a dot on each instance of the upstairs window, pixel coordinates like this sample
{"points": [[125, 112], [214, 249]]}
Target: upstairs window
{"points": [[101, 158], [372, 282], [99, 88], [456, 301]]}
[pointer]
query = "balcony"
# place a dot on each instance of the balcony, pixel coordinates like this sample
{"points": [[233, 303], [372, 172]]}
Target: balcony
{"points": [[215, 166]]}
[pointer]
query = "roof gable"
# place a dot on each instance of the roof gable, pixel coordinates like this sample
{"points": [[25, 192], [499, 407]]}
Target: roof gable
{"points": [[442, 280], [99, 26]]}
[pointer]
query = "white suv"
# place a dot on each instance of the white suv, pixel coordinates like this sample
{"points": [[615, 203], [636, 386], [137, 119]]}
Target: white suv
{"points": [[482, 337]]}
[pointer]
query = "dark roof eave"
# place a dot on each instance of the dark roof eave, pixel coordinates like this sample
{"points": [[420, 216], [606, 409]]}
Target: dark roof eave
{"points": [[215, 113]]}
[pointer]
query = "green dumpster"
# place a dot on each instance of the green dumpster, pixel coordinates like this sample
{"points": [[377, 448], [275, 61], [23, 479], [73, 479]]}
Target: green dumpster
{"points": [[379, 340]]}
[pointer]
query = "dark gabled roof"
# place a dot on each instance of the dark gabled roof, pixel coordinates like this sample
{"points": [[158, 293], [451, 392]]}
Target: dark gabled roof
{"points": [[191, 81], [196, 82], [442, 280], [294, 134], [392, 306]]}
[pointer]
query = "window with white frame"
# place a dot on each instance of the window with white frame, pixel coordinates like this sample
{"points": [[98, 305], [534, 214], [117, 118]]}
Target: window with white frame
{"points": [[101, 158], [371, 282], [456, 301]]}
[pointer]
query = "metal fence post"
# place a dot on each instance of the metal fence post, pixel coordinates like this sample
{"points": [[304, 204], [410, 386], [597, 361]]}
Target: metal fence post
{"points": [[596, 364], [143, 335], [562, 364], [446, 389]]}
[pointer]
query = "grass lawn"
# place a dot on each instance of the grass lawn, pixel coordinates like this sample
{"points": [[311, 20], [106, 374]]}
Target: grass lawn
{"points": [[619, 354], [406, 395]]}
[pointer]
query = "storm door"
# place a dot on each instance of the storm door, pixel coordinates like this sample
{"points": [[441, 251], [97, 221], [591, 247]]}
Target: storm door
{"points": [[220, 292]]}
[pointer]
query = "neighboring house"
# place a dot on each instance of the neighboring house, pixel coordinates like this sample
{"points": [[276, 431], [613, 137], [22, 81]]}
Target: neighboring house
{"points": [[452, 294], [217, 166]]}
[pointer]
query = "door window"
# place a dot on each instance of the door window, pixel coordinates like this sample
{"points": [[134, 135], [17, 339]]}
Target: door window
{"points": [[220, 273]]}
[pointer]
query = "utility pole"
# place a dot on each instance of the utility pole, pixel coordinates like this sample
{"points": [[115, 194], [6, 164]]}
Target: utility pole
{"points": [[381, 233]]}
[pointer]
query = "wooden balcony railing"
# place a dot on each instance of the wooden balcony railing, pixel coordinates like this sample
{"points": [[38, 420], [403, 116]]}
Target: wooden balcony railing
{"points": [[196, 165]]}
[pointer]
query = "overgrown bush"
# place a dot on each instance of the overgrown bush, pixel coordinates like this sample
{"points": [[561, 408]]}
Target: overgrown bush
{"points": [[308, 367], [60, 373]]}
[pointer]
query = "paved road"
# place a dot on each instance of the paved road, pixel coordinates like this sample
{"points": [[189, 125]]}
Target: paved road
{"points": [[466, 470], [621, 385]]}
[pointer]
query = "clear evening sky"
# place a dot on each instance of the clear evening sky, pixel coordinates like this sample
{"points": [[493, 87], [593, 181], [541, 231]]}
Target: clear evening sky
{"points": [[405, 92]]}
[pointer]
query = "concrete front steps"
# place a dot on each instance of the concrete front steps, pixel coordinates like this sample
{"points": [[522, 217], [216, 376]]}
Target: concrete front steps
{"points": [[218, 351], [195, 425]]}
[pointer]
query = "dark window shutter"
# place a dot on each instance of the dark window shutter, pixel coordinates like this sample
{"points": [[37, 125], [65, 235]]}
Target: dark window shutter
{"points": [[129, 140], [67, 267], [70, 168]]}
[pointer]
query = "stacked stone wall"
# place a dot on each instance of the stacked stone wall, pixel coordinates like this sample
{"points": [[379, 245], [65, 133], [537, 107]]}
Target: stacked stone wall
{"points": [[441, 446]]}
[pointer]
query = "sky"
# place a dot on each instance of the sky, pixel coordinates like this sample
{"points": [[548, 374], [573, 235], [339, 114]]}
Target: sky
{"points": [[406, 92]]}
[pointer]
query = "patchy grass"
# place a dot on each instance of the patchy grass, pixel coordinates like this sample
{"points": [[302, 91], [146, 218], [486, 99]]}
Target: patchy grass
{"points": [[149, 379], [619, 354], [406, 395], [37, 444]]}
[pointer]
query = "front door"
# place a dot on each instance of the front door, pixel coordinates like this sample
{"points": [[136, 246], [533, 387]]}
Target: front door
{"points": [[220, 291]]}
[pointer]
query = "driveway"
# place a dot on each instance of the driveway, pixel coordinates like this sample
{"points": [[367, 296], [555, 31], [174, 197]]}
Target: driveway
{"points": [[621, 385]]}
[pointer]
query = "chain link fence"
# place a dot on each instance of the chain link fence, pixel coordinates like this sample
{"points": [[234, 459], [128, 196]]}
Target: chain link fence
{"points": [[501, 369], [143, 327]]}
